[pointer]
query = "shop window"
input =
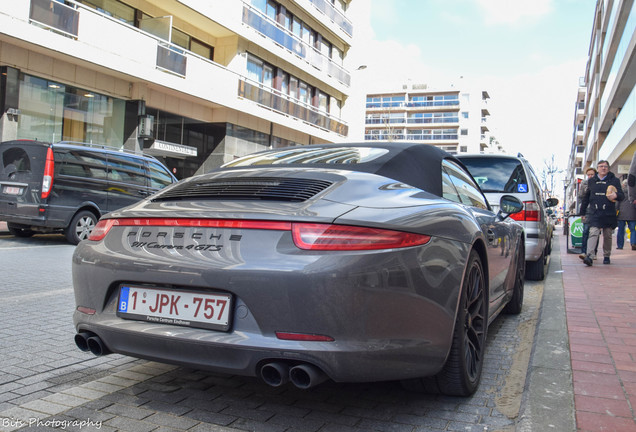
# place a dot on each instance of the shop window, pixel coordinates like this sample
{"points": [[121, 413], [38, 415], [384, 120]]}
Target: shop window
{"points": [[54, 112]]}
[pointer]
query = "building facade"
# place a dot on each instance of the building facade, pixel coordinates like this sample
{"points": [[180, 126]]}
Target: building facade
{"points": [[604, 126], [452, 119], [194, 83]]}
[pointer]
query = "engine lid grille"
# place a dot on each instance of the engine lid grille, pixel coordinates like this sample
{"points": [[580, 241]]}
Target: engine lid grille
{"points": [[241, 188]]}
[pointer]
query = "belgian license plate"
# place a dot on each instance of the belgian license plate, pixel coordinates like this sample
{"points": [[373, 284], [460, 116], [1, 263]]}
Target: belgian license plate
{"points": [[11, 190], [183, 308]]}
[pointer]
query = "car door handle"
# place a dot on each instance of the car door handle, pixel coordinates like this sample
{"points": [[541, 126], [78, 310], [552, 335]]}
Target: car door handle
{"points": [[143, 192]]}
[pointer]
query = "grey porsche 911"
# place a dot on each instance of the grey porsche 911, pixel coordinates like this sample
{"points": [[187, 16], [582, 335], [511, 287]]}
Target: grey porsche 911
{"points": [[350, 262]]}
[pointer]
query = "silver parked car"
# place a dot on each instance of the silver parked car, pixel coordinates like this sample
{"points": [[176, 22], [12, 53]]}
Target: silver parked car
{"points": [[358, 263], [499, 174]]}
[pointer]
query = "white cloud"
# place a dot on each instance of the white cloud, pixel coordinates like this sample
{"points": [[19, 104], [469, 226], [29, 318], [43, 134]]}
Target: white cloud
{"points": [[513, 11]]}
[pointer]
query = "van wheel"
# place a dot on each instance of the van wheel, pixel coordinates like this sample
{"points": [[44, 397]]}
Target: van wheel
{"points": [[80, 227], [18, 231]]}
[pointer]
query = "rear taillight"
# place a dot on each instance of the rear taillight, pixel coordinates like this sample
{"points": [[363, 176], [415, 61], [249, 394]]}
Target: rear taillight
{"points": [[49, 168], [344, 238], [530, 213], [308, 236], [101, 229], [103, 226]]}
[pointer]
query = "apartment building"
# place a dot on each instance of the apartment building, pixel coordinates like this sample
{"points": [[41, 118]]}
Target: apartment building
{"points": [[455, 120], [195, 83], [604, 126]]}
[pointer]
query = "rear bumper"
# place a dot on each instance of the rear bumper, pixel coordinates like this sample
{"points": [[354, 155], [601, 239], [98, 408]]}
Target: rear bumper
{"points": [[35, 217], [245, 353], [535, 247]]}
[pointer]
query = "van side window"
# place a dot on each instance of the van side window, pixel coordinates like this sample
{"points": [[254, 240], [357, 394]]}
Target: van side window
{"points": [[79, 163], [159, 177], [126, 169]]}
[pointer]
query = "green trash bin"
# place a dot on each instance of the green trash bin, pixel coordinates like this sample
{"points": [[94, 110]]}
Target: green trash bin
{"points": [[575, 235]]}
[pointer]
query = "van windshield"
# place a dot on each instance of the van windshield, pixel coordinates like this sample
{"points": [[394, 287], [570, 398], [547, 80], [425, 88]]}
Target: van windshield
{"points": [[497, 174]]}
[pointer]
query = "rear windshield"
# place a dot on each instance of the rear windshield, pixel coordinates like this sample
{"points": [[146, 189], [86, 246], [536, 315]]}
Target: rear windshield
{"points": [[497, 174], [331, 155], [15, 159]]}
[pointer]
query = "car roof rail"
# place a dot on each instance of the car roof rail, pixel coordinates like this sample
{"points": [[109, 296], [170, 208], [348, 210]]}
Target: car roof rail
{"points": [[106, 147]]}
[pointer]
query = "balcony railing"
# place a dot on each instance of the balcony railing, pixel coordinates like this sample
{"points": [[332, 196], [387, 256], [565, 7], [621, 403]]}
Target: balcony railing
{"points": [[171, 59], [334, 15], [410, 137], [412, 120], [413, 104], [273, 99], [55, 16], [272, 30]]}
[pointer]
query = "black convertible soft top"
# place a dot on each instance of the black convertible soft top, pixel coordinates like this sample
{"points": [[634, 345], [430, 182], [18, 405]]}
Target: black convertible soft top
{"points": [[417, 165]]}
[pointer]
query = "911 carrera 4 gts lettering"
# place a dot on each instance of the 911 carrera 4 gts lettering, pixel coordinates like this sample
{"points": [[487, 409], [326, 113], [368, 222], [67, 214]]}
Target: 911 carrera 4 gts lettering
{"points": [[155, 245]]}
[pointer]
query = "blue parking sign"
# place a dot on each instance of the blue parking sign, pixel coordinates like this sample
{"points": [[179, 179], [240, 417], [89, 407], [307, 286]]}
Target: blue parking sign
{"points": [[522, 188]]}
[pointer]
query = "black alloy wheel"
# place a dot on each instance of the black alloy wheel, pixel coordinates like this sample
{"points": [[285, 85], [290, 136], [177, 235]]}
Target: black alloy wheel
{"points": [[515, 304], [475, 322]]}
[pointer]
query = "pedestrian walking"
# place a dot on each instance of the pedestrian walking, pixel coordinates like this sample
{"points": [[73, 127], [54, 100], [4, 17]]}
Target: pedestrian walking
{"points": [[626, 217], [589, 173], [603, 190]]}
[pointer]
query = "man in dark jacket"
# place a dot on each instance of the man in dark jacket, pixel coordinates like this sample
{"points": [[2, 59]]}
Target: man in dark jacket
{"points": [[603, 190]]}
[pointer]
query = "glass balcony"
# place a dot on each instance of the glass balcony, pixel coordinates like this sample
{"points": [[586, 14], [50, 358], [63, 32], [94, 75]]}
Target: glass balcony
{"points": [[275, 100], [270, 29], [409, 137], [334, 15], [55, 16], [171, 59]]}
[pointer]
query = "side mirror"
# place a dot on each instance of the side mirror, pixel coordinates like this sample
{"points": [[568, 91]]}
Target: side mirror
{"points": [[508, 205], [551, 202]]}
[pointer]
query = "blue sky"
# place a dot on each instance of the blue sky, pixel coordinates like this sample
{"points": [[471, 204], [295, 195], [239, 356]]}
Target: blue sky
{"points": [[529, 55]]}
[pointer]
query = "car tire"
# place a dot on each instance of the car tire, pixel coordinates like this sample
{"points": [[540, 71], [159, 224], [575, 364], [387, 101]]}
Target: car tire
{"points": [[18, 231], [80, 227], [515, 304], [461, 374], [535, 270]]}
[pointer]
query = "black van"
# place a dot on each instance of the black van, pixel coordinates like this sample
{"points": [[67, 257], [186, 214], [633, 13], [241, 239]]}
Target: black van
{"points": [[67, 187]]}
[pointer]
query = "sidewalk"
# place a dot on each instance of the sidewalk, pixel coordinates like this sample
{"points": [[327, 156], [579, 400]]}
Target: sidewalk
{"points": [[600, 306]]}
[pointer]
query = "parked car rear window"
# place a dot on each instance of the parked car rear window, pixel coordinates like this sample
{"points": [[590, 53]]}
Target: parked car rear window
{"points": [[17, 157], [497, 174]]}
